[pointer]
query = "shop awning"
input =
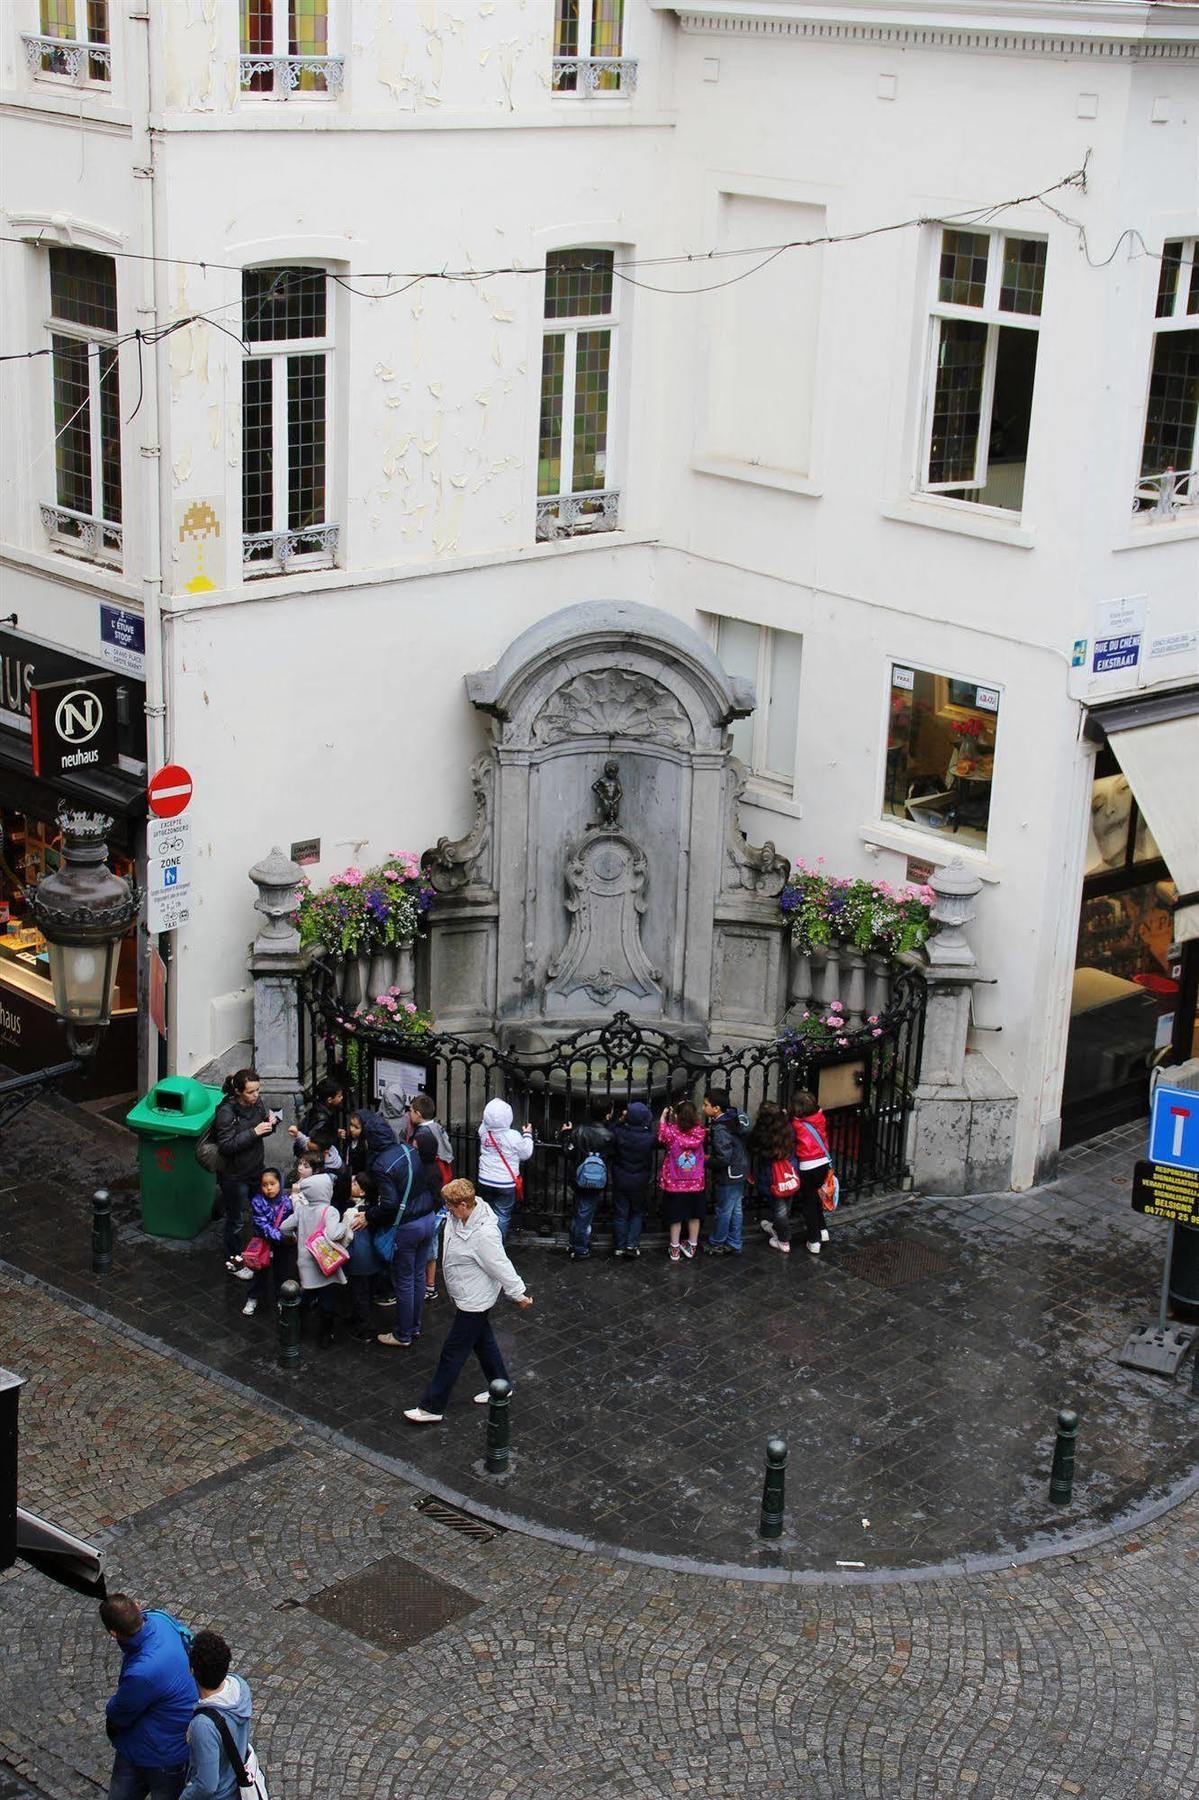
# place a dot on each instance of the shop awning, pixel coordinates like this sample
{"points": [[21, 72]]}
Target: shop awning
{"points": [[1161, 760]]}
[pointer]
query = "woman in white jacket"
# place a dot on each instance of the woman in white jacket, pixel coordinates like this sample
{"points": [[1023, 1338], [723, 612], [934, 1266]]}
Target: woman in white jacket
{"points": [[501, 1152], [475, 1269]]}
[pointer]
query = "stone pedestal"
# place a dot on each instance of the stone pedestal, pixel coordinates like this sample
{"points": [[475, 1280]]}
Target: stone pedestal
{"points": [[276, 963], [964, 1122]]}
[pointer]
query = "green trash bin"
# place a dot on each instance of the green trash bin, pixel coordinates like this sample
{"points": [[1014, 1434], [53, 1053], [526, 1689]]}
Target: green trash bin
{"points": [[176, 1192]]}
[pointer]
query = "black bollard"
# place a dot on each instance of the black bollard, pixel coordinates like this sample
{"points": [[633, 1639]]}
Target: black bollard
{"points": [[101, 1232], [1061, 1477], [773, 1489], [289, 1323], [496, 1461]]}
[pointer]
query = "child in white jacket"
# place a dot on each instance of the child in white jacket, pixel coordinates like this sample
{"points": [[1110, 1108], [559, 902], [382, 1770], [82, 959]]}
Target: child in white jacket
{"points": [[501, 1152]]}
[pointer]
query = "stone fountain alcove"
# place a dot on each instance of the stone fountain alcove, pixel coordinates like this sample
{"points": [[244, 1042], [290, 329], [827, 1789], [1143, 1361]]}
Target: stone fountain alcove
{"points": [[605, 869]]}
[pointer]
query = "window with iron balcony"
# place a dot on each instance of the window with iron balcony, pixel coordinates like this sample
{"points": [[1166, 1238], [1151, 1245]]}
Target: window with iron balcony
{"points": [[85, 518], [588, 38], [285, 50], [71, 44], [286, 407], [575, 488], [1169, 482]]}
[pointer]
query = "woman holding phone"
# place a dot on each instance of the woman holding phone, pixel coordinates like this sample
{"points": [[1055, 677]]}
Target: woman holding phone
{"points": [[241, 1128]]}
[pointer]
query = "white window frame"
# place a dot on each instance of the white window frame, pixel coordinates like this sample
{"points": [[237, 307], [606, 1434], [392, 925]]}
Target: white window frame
{"points": [[77, 49], [772, 781], [103, 542], [278, 351], [1171, 493], [588, 67], [287, 68], [992, 316], [569, 328]]}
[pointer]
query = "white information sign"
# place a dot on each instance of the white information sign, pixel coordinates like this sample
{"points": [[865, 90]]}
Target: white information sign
{"points": [[168, 873]]}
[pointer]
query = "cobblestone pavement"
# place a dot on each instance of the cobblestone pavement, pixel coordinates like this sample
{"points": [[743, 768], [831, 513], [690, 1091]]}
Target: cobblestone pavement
{"points": [[916, 1369], [573, 1677]]}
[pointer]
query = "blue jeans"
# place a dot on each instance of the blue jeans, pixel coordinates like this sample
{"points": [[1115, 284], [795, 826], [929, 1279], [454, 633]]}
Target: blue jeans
{"points": [[726, 1225], [502, 1201], [586, 1201], [470, 1331], [132, 1782], [236, 1198], [628, 1216], [408, 1273]]}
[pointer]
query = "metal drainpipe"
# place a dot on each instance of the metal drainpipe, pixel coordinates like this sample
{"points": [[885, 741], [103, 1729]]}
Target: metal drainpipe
{"points": [[153, 494]]}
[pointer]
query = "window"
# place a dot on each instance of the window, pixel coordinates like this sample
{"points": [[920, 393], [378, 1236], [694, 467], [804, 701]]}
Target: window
{"points": [[940, 753], [574, 470], [285, 49], [72, 41], [1170, 455], [587, 44], [87, 410], [765, 742], [286, 384], [983, 361]]}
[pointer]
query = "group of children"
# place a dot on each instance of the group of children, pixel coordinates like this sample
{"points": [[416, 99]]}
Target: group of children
{"points": [[339, 1211], [784, 1159]]}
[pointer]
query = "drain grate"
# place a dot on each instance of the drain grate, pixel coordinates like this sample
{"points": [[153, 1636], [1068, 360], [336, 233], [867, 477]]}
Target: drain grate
{"points": [[896, 1262], [442, 1513], [393, 1604]]}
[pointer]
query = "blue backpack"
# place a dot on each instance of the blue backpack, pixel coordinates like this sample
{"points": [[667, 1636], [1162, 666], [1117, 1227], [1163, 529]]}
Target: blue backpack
{"points": [[592, 1172]]}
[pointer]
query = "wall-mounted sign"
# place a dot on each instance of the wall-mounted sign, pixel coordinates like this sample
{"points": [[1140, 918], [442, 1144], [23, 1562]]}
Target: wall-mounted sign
{"points": [[74, 725], [123, 640]]}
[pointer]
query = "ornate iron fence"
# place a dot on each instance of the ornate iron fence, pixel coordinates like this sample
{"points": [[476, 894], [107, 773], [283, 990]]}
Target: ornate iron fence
{"points": [[866, 1088]]}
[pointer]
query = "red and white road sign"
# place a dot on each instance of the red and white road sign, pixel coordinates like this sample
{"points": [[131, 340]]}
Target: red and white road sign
{"points": [[168, 792]]}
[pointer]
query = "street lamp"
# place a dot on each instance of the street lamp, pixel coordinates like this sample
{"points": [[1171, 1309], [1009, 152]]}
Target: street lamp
{"points": [[83, 911]]}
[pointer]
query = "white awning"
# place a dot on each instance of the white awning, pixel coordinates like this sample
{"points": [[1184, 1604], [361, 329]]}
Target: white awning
{"points": [[1161, 762]]}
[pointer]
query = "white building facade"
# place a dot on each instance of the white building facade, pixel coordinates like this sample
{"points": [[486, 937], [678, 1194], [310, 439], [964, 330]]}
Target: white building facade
{"points": [[422, 362]]}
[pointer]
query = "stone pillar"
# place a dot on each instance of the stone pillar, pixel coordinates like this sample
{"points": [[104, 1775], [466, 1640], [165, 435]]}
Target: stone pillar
{"points": [[964, 1119], [276, 963]]}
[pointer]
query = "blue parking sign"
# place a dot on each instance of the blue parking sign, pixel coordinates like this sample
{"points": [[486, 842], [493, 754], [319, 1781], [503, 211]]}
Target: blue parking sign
{"points": [[1174, 1128]]}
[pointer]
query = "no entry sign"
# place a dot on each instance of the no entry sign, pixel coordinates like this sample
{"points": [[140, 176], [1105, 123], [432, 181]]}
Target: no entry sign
{"points": [[169, 792]]}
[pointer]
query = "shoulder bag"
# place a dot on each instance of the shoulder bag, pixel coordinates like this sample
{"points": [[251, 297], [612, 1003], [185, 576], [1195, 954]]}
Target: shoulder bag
{"points": [[518, 1180], [250, 1780]]}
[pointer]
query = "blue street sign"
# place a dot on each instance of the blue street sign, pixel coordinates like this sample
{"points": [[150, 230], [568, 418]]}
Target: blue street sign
{"points": [[1174, 1128]]}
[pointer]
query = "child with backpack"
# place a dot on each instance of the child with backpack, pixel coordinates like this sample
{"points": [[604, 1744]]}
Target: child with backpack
{"points": [[681, 1177], [810, 1131], [632, 1170], [591, 1147]]}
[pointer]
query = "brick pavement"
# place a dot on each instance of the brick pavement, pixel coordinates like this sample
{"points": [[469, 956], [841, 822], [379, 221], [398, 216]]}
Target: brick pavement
{"points": [[577, 1678], [646, 1391]]}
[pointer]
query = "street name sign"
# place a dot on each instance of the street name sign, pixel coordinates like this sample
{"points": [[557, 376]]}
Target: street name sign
{"points": [[1163, 1192]]}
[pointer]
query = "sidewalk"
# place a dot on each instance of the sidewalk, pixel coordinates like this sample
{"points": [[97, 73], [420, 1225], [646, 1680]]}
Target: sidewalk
{"points": [[915, 1370]]}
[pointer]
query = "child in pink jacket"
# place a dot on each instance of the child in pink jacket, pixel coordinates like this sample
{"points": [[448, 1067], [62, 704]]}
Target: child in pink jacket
{"points": [[681, 1178]]}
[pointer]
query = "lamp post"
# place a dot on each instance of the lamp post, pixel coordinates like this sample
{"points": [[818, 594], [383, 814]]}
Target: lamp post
{"points": [[83, 910]]}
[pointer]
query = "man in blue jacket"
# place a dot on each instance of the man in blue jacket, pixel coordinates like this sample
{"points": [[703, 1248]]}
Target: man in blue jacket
{"points": [[148, 1716]]}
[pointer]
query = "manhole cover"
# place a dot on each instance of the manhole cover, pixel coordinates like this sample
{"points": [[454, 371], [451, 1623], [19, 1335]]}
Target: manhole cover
{"points": [[392, 1604], [894, 1262]]}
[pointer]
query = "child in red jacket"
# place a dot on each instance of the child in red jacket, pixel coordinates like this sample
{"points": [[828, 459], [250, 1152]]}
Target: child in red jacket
{"points": [[812, 1158]]}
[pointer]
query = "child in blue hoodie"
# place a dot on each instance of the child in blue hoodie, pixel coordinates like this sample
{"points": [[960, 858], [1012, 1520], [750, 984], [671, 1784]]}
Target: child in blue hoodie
{"points": [[631, 1172]]}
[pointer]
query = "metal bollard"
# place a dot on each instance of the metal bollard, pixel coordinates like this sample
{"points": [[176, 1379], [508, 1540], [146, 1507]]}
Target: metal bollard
{"points": [[1061, 1477], [773, 1489], [101, 1232], [498, 1423], [289, 1323]]}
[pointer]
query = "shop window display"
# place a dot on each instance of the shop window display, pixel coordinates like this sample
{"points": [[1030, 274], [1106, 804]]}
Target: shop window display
{"points": [[941, 753]]}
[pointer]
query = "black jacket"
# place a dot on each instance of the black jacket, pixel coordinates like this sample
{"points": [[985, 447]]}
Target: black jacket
{"points": [[726, 1138], [633, 1142], [244, 1152]]}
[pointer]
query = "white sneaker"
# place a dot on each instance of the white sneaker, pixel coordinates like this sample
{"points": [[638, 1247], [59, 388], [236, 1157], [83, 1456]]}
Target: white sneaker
{"points": [[416, 1415], [243, 1274], [813, 1249], [249, 1309], [824, 1237]]}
